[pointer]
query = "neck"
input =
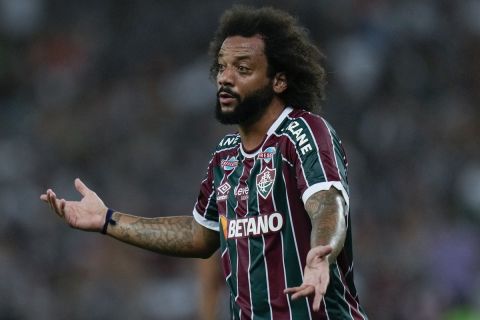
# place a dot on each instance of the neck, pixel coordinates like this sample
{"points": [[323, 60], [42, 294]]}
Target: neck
{"points": [[252, 135]]}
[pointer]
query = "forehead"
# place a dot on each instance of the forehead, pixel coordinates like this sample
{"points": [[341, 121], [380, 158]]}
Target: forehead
{"points": [[238, 46]]}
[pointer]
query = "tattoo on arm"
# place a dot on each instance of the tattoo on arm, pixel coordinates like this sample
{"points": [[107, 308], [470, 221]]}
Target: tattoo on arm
{"points": [[327, 213], [176, 236]]}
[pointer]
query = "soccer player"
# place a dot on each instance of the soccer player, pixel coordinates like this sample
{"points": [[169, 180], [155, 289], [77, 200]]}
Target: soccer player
{"points": [[275, 198]]}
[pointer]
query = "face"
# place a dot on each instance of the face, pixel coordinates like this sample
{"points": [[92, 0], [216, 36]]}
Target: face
{"points": [[244, 88]]}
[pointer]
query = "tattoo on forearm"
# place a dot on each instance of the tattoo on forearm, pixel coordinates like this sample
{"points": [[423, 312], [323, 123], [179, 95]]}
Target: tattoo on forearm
{"points": [[326, 210], [167, 235]]}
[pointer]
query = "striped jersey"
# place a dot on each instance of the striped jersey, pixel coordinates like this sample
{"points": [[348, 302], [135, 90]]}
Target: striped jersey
{"points": [[255, 200]]}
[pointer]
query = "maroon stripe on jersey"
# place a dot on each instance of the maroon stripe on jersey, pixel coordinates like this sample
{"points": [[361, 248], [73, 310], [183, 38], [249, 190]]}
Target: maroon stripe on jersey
{"points": [[273, 255], [225, 259], [243, 287], [205, 191], [243, 252], [242, 205], [207, 187], [222, 204], [325, 146], [300, 217], [322, 313], [353, 303]]}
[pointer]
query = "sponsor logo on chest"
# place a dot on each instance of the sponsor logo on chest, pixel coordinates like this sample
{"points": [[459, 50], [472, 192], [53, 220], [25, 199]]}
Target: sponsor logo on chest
{"points": [[222, 191], [251, 226], [229, 163], [241, 193], [267, 154]]}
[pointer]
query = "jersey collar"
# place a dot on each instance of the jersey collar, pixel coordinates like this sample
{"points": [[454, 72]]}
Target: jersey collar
{"points": [[270, 131]]}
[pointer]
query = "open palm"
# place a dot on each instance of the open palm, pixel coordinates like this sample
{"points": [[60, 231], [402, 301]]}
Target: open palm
{"points": [[315, 278], [87, 214]]}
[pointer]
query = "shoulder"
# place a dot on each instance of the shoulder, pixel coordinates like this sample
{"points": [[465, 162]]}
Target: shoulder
{"points": [[301, 125], [306, 119]]}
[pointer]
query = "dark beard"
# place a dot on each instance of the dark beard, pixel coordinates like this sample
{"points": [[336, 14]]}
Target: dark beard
{"points": [[249, 110]]}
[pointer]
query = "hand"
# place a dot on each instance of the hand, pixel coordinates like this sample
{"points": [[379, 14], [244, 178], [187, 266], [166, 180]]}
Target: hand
{"points": [[315, 278], [87, 214]]}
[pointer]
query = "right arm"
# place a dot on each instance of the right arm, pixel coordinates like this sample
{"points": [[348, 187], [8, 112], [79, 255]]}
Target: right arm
{"points": [[176, 236], [180, 236]]}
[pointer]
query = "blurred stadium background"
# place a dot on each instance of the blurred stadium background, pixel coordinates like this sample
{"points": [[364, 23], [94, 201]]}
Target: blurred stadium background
{"points": [[117, 93]]}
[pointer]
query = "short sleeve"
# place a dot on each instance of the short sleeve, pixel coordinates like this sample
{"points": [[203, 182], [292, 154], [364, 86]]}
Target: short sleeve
{"points": [[205, 210], [320, 158]]}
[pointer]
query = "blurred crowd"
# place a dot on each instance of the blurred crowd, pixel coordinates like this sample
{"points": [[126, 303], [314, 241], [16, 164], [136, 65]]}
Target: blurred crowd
{"points": [[117, 93]]}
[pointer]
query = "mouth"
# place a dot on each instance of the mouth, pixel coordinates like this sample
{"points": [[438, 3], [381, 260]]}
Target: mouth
{"points": [[226, 99]]}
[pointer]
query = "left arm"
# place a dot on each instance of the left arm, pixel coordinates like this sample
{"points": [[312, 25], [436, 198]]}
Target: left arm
{"points": [[326, 210], [327, 213]]}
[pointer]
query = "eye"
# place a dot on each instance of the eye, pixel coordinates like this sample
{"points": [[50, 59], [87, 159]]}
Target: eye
{"points": [[220, 67], [243, 69]]}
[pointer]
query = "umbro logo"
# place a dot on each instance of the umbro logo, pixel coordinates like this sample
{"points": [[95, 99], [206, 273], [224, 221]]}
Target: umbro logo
{"points": [[222, 191]]}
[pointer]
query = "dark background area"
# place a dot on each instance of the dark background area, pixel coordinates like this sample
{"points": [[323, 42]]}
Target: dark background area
{"points": [[117, 93]]}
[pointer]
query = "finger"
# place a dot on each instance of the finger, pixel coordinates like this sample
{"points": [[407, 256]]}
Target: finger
{"points": [[50, 199], [293, 289], [44, 197], [318, 298], [62, 205], [81, 187], [303, 291], [54, 203]]}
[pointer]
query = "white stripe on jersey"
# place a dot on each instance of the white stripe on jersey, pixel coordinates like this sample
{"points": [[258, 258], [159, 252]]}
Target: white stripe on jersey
{"points": [[345, 293], [210, 224], [338, 169], [298, 155], [252, 315], [224, 253], [295, 241], [283, 259], [263, 250], [333, 148]]}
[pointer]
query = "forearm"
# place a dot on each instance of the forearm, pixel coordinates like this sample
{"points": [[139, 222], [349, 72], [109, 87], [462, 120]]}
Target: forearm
{"points": [[179, 236], [327, 213]]}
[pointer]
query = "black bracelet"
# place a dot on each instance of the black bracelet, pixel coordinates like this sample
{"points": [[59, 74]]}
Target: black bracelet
{"points": [[108, 220]]}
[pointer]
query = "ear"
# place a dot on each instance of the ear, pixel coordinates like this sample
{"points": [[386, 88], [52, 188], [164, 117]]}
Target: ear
{"points": [[279, 82]]}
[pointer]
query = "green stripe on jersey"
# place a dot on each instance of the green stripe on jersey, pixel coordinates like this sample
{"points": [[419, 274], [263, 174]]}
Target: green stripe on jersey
{"points": [[339, 156], [258, 280], [337, 307], [293, 268], [299, 132]]}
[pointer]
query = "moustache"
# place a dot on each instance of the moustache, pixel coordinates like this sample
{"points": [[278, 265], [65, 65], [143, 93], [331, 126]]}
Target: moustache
{"points": [[228, 91]]}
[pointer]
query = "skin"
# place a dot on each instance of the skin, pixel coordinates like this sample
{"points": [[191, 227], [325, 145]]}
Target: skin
{"points": [[211, 284], [326, 210], [243, 68]]}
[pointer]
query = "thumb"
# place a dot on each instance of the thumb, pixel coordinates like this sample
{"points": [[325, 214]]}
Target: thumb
{"points": [[319, 251], [81, 187]]}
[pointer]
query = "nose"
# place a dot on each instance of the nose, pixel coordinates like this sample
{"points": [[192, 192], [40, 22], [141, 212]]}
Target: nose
{"points": [[225, 77]]}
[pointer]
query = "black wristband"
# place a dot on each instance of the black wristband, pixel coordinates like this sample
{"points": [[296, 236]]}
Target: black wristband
{"points": [[108, 220]]}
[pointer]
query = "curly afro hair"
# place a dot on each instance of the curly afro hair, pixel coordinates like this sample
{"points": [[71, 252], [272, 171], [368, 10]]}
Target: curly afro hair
{"points": [[288, 49]]}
